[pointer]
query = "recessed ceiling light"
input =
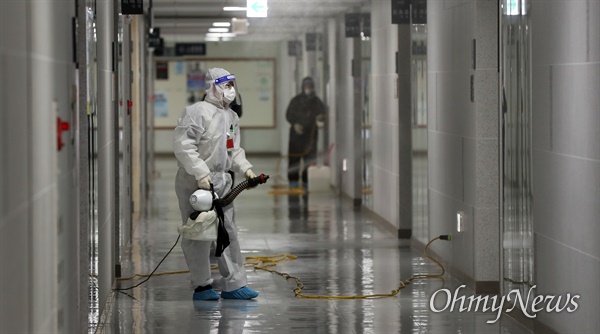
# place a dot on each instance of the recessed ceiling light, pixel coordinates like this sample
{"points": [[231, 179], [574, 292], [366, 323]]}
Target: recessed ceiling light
{"points": [[222, 24]]}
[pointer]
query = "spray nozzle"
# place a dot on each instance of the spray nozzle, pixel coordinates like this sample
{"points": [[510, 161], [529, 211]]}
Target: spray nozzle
{"points": [[262, 178]]}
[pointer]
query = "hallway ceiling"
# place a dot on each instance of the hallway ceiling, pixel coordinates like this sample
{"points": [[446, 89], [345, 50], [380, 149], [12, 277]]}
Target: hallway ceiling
{"points": [[189, 20]]}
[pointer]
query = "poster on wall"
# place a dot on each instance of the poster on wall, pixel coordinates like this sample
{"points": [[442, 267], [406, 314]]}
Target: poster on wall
{"points": [[195, 81], [162, 70], [161, 104], [179, 67]]}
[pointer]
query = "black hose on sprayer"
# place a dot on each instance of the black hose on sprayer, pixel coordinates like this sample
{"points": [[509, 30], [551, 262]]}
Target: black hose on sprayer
{"points": [[247, 184], [220, 203]]}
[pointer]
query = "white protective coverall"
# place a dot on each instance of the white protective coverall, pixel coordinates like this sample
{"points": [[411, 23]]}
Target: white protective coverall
{"points": [[200, 145]]}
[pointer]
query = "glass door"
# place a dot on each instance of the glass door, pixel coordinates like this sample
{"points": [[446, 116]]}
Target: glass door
{"points": [[420, 226], [92, 106], [516, 154], [367, 165]]}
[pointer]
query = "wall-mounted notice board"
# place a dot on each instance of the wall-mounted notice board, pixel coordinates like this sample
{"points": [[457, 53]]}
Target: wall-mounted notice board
{"points": [[255, 80]]}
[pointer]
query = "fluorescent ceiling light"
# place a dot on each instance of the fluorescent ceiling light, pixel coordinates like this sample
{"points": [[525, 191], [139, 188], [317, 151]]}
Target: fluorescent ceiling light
{"points": [[234, 9], [218, 29], [218, 34], [222, 24]]}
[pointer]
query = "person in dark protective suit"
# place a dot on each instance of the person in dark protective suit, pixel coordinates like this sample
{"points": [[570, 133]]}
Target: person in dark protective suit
{"points": [[304, 111]]}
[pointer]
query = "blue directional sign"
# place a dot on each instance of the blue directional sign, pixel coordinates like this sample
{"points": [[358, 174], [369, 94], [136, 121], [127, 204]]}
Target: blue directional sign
{"points": [[256, 8]]}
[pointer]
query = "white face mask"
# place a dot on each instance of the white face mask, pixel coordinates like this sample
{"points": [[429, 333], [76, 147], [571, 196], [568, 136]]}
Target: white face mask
{"points": [[307, 91], [229, 95]]}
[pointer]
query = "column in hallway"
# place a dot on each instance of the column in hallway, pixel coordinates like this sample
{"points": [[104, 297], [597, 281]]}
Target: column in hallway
{"points": [[484, 61], [144, 76], [286, 89], [149, 108], [463, 163], [345, 152], [106, 152], [384, 99], [566, 158], [357, 124], [404, 143], [332, 91], [136, 110]]}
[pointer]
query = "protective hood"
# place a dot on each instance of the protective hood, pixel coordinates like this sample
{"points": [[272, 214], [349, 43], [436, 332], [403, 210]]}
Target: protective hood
{"points": [[308, 85], [216, 78]]}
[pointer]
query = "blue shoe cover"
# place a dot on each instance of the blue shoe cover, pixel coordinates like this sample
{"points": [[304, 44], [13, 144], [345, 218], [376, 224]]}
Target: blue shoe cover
{"points": [[294, 185], [241, 293], [206, 295]]}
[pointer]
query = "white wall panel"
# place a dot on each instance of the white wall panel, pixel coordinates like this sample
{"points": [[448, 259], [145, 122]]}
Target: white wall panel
{"points": [[463, 158], [566, 165], [384, 42], [15, 271]]}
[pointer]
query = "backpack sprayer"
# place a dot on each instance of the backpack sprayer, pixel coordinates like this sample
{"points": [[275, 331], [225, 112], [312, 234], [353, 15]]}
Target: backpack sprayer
{"points": [[207, 222]]}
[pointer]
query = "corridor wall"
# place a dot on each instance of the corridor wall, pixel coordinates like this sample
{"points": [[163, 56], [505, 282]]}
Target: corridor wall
{"points": [[566, 158]]}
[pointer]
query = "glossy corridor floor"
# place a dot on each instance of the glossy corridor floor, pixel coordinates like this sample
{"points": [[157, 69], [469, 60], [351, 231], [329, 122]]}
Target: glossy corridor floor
{"points": [[339, 252]]}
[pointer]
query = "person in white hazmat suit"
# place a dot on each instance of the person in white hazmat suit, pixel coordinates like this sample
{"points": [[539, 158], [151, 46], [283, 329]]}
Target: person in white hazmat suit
{"points": [[206, 143]]}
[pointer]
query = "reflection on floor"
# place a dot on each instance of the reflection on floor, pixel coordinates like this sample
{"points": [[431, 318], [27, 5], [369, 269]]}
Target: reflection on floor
{"points": [[339, 252]]}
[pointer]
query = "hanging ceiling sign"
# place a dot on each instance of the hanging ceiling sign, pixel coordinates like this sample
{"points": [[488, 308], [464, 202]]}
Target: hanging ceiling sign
{"points": [[400, 11], [366, 25], [352, 24], [154, 38], [419, 11], [312, 39], [256, 8], [190, 49], [132, 7], [294, 48]]}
